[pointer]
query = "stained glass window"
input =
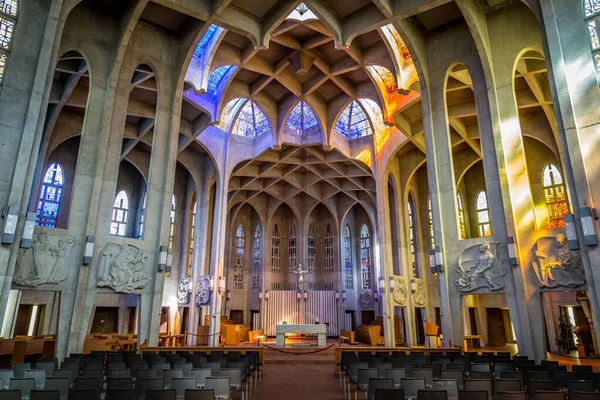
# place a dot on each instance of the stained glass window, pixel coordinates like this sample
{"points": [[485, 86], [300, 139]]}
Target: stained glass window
{"points": [[348, 273], [172, 222], [430, 215], [412, 227], [592, 16], [192, 237], [365, 257], [215, 78], [6, 31], [555, 196], [256, 258], [3, 59], [387, 77], [302, 118], [292, 247], [354, 122], [275, 250], [312, 248], [483, 215], [50, 196], [398, 41], [238, 267], [328, 249], [8, 19], [120, 214], [251, 121], [142, 217], [462, 223], [210, 32], [225, 114], [302, 8]]}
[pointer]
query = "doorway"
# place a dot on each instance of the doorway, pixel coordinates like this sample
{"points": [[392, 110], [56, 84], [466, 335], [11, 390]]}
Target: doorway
{"points": [[237, 316], [400, 325], [473, 320], [420, 325], [105, 320], [164, 320], [367, 316], [495, 326], [33, 313]]}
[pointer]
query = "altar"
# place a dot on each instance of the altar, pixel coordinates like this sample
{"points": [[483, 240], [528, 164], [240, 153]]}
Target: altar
{"points": [[320, 330]]}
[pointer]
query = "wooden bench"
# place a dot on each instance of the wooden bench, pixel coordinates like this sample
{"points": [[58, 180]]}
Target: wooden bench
{"points": [[472, 338], [257, 336], [347, 336]]}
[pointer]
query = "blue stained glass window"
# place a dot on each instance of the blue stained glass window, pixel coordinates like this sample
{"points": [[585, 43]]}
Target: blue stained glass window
{"points": [[215, 78], [251, 121], [354, 122], [210, 32], [302, 117], [226, 111], [50, 196]]}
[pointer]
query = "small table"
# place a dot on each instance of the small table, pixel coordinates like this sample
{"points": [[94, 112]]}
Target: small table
{"points": [[320, 330], [472, 337]]}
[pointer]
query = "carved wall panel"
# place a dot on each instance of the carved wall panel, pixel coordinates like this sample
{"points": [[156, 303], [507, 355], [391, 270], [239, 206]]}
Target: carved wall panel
{"points": [[46, 262], [184, 291], [400, 293], [419, 294], [366, 300], [555, 265], [478, 268], [122, 268], [203, 291]]}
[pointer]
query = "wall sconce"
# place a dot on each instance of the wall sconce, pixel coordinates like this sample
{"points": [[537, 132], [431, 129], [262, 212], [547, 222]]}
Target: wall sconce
{"points": [[298, 296], [439, 265], [382, 284], [162, 258], [305, 295], [337, 296], [267, 295], [343, 295], [228, 295], [260, 295], [169, 261], [571, 232], [88, 251], [221, 287], [432, 266], [11, 216], [413, 286], [588, 215], [392, 284], [376, 295], [28, 231], [512, 251], [211, 283]]}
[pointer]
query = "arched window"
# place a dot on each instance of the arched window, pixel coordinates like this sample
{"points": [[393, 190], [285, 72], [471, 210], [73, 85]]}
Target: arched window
{"points": [[365, 257], [302, 118], [142, 217], [225, 114], [430, 214], [328, 249], [354, 122], [461, 217], [8, 20], [292, 247], [238, 268], [483, 215], [312, 248], [210, 32], [592, 19], [348, 273], [50, 196], [555, 196], [256, 252], [192, 237], [250, 121], [172, 222], [414, 248], [275, 250], [215, 78], [386, 77], [120, 214]]}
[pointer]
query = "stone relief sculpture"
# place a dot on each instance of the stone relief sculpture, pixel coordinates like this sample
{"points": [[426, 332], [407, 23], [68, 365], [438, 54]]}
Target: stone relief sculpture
{"points": [[419, 295], [203, 291], [555, 264], [122, 268], [46, 262], [478, 268], [184, 291], [366, 300], [400, 293]]}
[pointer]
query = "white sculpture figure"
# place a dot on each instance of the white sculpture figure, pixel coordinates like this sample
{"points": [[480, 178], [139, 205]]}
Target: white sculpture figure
{"points": [[555, 264], [300, 272], [47, 261]]}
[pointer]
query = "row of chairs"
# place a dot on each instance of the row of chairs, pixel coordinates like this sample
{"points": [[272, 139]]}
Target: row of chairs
{"points": [[114, 394], [398, 394]]}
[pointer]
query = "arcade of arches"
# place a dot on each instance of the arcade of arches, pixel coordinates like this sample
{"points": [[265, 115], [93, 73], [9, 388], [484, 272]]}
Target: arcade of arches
{"points": [[169, 165]]}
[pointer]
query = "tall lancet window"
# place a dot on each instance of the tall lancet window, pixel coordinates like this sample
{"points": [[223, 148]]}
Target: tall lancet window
{"points": [[312, 248], [365, 257], [8, 20], [430, 214], [275, 250], [483, 215], [256, 264], [142, 217], [292, 247], [592, 18], [118, 226], [462, 223], [328, 249], [238, 268], [172, 222], [192, 235], [414, 247], [348, 273], [554, 193], [50, 196]]}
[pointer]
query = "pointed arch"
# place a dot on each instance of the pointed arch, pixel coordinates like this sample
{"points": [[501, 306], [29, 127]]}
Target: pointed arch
{"points": [[483, 215], [250, 121], [256, 258], [275, 249], [328, 246], [413, 236], [292, 246], [239, 257], [354, 122], [348, 270], [365, 257], [312, 248], [302, 118]]}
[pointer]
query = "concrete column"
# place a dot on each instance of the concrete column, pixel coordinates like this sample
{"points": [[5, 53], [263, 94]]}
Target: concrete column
{"points": [[10, 313]]}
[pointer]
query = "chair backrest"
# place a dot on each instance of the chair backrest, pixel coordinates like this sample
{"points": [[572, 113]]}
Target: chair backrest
{"points": [[201, 374], [88, 383], [85, 394], [437, 369], [432, 395], [20, 368], [92, 373], [479, 384], [481, 375], [537, 375], [143, 385], [412, 385], [161, 394], [395, 373], [519, 395], [10, 395], [379, 383], [381, 367], [219, 384], [169, 374], [65, 373], [473, 395], [119, 383], [481, 367], [580, 386], [44, 395], [389, 394], [584, 396], [5, 375], [121, 394], [353, 369], [25, 385], [186, 368], [534, 385], [550, 395], [455, 374], [205, 394], [423, 373], [61, 384], [499, 368], [146, 374], [512, 375], [39, 375], [214, 366], [364, 375], [182, 384], [234, 375], [508, 385], [404, 365], [449, 385], [47, 366], [119, 373]]}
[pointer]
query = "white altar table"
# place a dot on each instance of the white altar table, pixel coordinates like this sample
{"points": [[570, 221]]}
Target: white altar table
{"points": [[320, 330]]}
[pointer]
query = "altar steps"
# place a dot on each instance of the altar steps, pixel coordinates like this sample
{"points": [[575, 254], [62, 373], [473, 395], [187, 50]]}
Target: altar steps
{"points": [[303, 353]]}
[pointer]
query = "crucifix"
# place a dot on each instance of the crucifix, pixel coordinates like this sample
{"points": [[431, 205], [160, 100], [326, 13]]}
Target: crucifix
{"points": [[300, 272]]}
